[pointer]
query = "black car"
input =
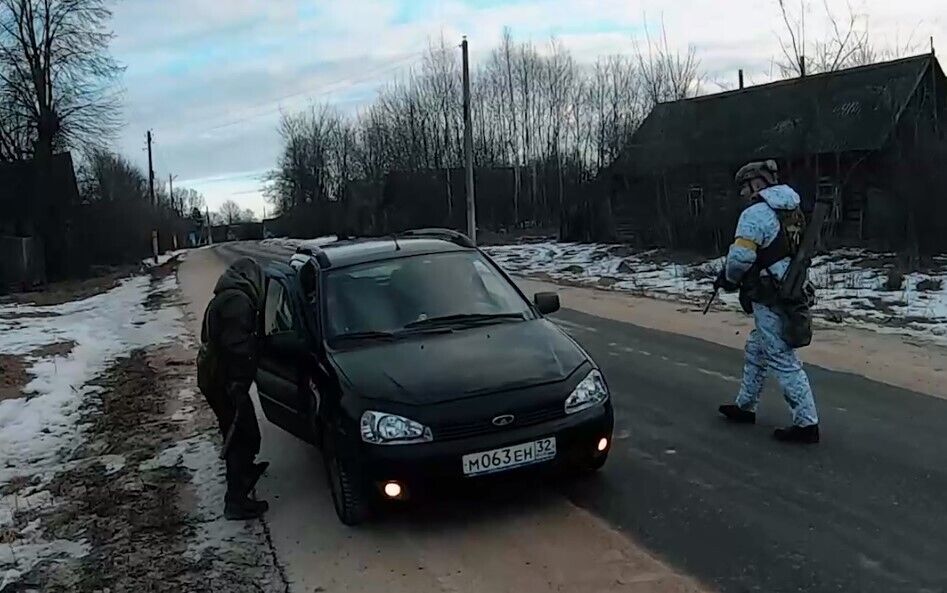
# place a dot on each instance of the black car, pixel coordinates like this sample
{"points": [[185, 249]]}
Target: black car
{"points": [[413, 359]]}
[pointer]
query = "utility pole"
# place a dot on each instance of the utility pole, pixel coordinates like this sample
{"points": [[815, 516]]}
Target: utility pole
{"points": [[468, 148], [151, 172], [208, 226], [171, 190]]}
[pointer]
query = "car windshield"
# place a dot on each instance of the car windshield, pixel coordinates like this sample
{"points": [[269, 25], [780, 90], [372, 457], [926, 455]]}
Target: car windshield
{"points": [[440, 290]]}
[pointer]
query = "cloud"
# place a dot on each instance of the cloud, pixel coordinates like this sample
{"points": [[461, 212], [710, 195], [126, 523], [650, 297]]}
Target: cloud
{"points": [[211, 76]]}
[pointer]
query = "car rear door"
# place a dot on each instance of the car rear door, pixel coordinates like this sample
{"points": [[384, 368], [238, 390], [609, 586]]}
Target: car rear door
{"points": [[283, 349]]}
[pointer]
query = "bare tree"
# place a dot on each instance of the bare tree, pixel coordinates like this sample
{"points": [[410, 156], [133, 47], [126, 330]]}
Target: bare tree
{"points": [[230, 212], [846, 43], [667, 74], [537, 110], [188, 199], [108, 177], [56, 71]]}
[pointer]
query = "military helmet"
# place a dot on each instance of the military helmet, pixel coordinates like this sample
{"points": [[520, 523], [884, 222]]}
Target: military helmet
{"points": [[765, 170]]}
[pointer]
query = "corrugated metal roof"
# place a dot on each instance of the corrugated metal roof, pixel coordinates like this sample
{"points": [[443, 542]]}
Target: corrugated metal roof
{"points": [[839, 111]]}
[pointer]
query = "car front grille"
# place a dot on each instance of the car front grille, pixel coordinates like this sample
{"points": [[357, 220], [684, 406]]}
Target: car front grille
{"points": [[462, 430]]}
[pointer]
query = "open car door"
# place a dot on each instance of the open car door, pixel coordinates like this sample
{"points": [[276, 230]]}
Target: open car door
{"points": [[283, 350]]}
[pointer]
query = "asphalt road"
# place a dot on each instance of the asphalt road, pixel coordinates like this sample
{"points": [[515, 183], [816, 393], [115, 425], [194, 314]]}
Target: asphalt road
{"points": [[866, 510]]}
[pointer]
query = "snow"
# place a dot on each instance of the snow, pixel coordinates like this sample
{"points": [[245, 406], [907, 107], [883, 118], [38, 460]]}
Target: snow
{"points": [[14, 503], [198, 455], [850, 282], [164, 258], [42, 426], [23, 557], [40, 431]]}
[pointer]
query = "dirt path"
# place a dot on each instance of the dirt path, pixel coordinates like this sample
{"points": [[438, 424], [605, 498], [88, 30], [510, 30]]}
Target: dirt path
{"points": [[887, 358], [524, 542]]}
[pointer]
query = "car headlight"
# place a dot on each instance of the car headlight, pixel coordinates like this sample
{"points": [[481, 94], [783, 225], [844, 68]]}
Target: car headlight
{"points": [[380, 428], [591, 391]]}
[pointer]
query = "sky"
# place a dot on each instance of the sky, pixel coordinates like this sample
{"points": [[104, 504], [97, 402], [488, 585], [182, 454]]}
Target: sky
{"points": [[210, 77]]}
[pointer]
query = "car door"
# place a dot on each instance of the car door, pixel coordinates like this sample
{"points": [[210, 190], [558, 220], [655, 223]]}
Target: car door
{"points": [[283, 349]]}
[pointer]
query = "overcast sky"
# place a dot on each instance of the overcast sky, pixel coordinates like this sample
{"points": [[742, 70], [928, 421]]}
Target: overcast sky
{"points": [[209, 77]]}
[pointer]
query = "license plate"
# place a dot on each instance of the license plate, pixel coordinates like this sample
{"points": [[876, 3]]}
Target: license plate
{"points": [[504, 458]]}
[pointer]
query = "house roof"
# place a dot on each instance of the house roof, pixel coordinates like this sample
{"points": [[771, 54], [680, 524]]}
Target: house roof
{"points": [[846, 110]]}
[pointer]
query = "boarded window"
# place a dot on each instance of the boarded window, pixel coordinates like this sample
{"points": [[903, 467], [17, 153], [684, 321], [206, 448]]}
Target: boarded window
{"points": [[695, 199]]}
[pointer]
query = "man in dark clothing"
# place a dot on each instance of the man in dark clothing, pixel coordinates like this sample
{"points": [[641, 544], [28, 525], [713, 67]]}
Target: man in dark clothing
{"points": [[226, 367]]}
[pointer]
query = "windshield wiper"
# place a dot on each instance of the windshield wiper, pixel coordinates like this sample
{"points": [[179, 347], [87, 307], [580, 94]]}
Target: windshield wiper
{"points": [[368, 335], [465, 318]]}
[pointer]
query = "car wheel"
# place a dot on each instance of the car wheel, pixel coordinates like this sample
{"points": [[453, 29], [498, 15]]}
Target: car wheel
{"points": [[349, 495]]}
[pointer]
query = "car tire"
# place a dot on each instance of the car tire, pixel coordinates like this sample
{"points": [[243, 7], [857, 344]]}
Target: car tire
{"points": [[349, 494]]}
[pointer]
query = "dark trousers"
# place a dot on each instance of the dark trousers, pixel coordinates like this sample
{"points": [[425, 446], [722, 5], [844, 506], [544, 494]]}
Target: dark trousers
{"points": [[245, 445]]}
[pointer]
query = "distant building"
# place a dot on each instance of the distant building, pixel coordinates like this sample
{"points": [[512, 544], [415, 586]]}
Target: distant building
{"points": [[870, 137]]}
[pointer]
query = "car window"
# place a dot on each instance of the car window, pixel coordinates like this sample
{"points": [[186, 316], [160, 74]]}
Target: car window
{"points": [[277, 314], [386, 296]]}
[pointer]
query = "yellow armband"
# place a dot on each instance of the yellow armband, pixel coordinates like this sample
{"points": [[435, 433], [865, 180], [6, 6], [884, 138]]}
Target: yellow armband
{"points": [[746, 243]]}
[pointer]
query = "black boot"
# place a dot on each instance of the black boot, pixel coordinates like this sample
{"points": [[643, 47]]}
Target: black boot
{"points": [[241, 510], [735, 413], [798, 434]]}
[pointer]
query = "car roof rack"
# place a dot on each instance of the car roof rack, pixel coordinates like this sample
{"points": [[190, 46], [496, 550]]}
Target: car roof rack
{"points": [[314, 252], [450, 235]]}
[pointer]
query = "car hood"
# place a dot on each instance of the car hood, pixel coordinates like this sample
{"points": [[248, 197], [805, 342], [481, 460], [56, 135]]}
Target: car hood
{"points": [[435, 368]]}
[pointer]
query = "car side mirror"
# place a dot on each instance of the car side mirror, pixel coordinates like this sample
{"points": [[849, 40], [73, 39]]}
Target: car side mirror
{"points": [[546, 302]]}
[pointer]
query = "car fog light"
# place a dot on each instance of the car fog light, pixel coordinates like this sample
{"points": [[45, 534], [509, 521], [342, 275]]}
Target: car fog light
{"points": [[392, 489], [602, 444]]}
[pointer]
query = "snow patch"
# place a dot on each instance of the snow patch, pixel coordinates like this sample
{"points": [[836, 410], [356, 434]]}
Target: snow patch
{"points": [[851, 289], [198, 455], [42, 429], [42, 426], [23, 557], [164, 258]]}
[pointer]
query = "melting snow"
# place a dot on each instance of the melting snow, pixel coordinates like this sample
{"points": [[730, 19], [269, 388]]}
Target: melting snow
{"points": [[199, 455], [850, 289], [41, 429], [164, 258]]}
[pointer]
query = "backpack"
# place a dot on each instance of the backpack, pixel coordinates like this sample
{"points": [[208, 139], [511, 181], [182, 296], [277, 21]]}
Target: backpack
{"points": [[208, 362]]}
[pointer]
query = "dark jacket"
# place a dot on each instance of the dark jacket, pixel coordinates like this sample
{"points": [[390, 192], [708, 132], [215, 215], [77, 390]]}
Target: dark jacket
{"points": [[229, 332]]}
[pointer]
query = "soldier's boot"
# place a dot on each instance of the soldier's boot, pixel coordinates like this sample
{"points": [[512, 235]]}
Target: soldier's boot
{"points": [[798, 434], [735, 413]]}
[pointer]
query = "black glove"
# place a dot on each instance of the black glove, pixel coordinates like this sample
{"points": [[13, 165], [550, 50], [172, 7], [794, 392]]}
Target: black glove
{"points": [[721, 282]]}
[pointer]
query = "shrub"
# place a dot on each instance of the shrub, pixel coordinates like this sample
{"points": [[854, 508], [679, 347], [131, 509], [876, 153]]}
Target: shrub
{"points": [[894, 280]]}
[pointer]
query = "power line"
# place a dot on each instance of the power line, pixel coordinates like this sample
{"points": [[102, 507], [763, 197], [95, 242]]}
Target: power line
{"points": [[378, 71]]}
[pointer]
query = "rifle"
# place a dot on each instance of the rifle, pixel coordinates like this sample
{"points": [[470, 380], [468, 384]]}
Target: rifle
{"points": [[792, 285], [228, 438], [713, 297]]}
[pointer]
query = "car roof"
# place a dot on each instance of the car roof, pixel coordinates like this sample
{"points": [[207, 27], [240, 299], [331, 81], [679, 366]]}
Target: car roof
{"points": [[351, 252]]}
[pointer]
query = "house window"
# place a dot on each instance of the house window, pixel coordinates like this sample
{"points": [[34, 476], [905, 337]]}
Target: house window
{"points": [[695, 199]]}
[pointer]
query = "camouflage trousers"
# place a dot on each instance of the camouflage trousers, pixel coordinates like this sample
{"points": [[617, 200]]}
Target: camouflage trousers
{"points": [[767, 351]]}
